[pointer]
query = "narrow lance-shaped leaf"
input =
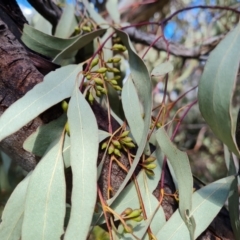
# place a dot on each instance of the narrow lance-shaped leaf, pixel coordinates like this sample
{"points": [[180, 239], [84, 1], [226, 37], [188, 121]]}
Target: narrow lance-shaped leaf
{"points": [[80, 42], [206, 204], [143, 85], [84, 152], [43, 43], [216, 88], [46, 195], [12, 216], [181, 167], [162, 69], [56, 86], [67, 22]]}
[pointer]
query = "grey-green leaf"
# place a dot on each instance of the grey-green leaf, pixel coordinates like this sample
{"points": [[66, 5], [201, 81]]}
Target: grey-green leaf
{"points": [[43, 43], [12, 216], [181, 167], [56, 86], [38, 142], [216, 88], [143, 85], [46, 195], [67, 22], [84, 153], [80, 42], [207, 202], [162, 69]]}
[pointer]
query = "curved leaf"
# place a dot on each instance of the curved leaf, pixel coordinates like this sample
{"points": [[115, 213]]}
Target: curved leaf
{"points": [[56, 86], [143, 85], [84, 153], [162, 69], [45, 200], [216, 88], [43, 43], [207, 202], [181, 167], [12, 216], [67, 22], [80, 42]]}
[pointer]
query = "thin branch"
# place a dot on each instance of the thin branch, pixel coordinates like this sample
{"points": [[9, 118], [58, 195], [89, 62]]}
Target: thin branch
{"points": [[48, 10], [176, 49]]}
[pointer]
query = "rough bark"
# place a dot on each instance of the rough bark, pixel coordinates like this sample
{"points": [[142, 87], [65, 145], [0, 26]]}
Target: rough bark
{"points": [[18, 75]]}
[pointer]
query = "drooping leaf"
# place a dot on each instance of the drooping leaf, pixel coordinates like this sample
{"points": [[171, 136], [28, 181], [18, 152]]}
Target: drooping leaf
{"points": [[131, 107], [94, 15], [207, 202], [38, 142], [162, 69], [181, 167], [12, 216], [67, 22], [84, 152], [56, 86], [73, 47], [112, 8], [216, 88], [45, 199], [233, 200], [44, 44], [142, 83]]}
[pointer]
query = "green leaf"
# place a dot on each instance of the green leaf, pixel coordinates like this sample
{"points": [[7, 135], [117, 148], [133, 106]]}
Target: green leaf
{"points": [[56, 86], [162, 69], [131, 107], [84, 153], [67, 22], [233, 200], [12, 216], [45, 200], [206, 203], [112, 8], [181, 167], [216, 88], [95, 15], [44, 44], [80, 42], [129, 198], [41, 24], [143, 85], [38, 142]]}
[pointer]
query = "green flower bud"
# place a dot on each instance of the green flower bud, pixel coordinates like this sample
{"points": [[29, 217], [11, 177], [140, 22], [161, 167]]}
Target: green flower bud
{"points": [[90, 98], [86, 29], [89, 76], [126, 139], [150, 173], [114, 82], [101, 70], [117, 88], [94, 62], [124, 134], [116, 143], [67, 129], [119, 47], [111, 149], [114, 60], [104, 145], [117, 77], [137, 219], [98, 80], [98, 93], [64, 106], [117, 152], [150, 160], [134, 213], [129, 144], [114, 70], [127, 211], [150, 166]]}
